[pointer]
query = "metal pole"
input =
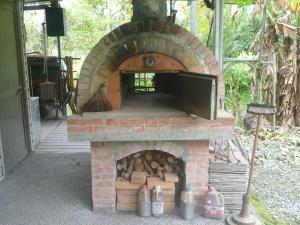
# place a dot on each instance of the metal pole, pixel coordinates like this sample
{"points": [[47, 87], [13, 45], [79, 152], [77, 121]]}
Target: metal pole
{"points": [[193, 17], [219, 27], [60, 78]]}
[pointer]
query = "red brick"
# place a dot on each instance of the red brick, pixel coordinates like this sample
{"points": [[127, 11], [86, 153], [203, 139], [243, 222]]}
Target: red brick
{"points": [[191, 165], [125, 129], [228, 121], [100, 183], [105, 164], [111, 122], [151, 121], [73, 129], [137, 128], [203, 163], [72, 122], [98, 173], [85, 129], [90, 122], [194, 127], [103, 157], [136, 121], [176, 128], [191, 145], [164, 128], [98, 128], [151, 128], [165, 120], [112, 129]]}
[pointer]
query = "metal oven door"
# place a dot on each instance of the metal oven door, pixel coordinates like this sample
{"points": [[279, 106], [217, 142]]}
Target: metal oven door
{"points": [[197, 94]]}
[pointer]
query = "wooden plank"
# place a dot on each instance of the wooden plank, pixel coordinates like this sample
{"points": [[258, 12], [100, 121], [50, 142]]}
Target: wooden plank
{"points": [[126, 199], [152, 181], [169, 207], [127, 207], [121, 183], [138, 177], [169, 198], [128, 192], [171, 177]]}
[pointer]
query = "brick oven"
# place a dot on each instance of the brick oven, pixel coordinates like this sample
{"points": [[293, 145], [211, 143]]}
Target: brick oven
{"points": [[149, 85]]}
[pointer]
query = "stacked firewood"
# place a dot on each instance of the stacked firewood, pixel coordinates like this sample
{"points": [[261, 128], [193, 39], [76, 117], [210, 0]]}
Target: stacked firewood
{"points": [[151, 168], [154, 163]]}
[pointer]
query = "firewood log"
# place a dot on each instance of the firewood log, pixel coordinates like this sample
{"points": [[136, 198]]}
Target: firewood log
{"points": [[139, 167], [124, 164], [136, 155], [130, 167], [157, 156], [154, 164], [138, 160], [148, 157], [147, 167], [168, 167], [127, 176], [119, 166], [160, 174], [170, 160]]}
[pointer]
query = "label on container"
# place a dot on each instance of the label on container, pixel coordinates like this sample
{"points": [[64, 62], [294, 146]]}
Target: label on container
{"points": [[157, 207]]}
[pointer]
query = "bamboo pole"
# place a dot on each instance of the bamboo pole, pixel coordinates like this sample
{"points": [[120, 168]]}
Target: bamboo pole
{"points": [[259, 79]]}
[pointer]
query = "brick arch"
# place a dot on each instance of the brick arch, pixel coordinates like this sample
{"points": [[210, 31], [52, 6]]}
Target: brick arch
{"points": [[173, 148], [140, 37]]}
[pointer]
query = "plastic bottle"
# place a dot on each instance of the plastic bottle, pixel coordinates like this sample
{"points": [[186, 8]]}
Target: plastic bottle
{"points": [[214, 204], [157, 202], [144, 202], [187, 207]]}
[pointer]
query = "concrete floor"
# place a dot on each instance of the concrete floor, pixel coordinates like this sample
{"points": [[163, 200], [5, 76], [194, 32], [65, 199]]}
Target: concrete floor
{"points": [[52, 187]]}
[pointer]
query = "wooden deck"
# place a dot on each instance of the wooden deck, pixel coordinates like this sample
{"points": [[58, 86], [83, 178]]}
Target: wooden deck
{"points": [[55, 139]]}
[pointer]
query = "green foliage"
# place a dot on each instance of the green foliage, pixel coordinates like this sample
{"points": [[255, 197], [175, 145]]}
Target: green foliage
{"points": [[87, 22], [239, 33], [242, 3], [238, 77]]}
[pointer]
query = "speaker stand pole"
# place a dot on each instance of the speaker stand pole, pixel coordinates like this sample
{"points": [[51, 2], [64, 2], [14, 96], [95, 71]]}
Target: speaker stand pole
{"points": [[60, 79]]}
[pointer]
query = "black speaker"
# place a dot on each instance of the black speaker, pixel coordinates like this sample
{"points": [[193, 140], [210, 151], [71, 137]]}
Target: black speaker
{"points": [[56, 22]]}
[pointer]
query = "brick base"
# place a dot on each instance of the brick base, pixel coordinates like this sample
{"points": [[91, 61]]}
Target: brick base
{"points": [[104, 156]]}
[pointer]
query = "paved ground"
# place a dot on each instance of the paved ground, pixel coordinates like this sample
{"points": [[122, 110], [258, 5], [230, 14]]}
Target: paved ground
{"points": [[52, 187]]}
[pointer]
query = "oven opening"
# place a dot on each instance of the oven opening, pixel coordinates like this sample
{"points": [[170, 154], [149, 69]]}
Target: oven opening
{"points": [[149, 90], [172, 92]]}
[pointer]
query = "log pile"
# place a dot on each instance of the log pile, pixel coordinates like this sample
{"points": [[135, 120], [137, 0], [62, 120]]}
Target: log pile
{"points": [[151, 168], [153, 163]]}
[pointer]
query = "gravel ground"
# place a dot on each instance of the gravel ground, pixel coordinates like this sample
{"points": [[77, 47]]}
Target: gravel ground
{"points": [[277, 172], [54, 189]]}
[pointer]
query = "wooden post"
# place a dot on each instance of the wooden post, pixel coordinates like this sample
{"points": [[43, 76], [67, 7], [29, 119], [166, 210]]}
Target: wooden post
{"points": [[274, 85]]}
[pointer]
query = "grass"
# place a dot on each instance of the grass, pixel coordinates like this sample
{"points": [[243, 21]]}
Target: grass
{"points": [[265, 215]]}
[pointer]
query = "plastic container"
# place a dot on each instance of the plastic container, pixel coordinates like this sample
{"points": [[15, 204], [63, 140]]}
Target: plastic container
{"points": [[214, 204], [187, 207], [157, 202], [144, 202]]}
